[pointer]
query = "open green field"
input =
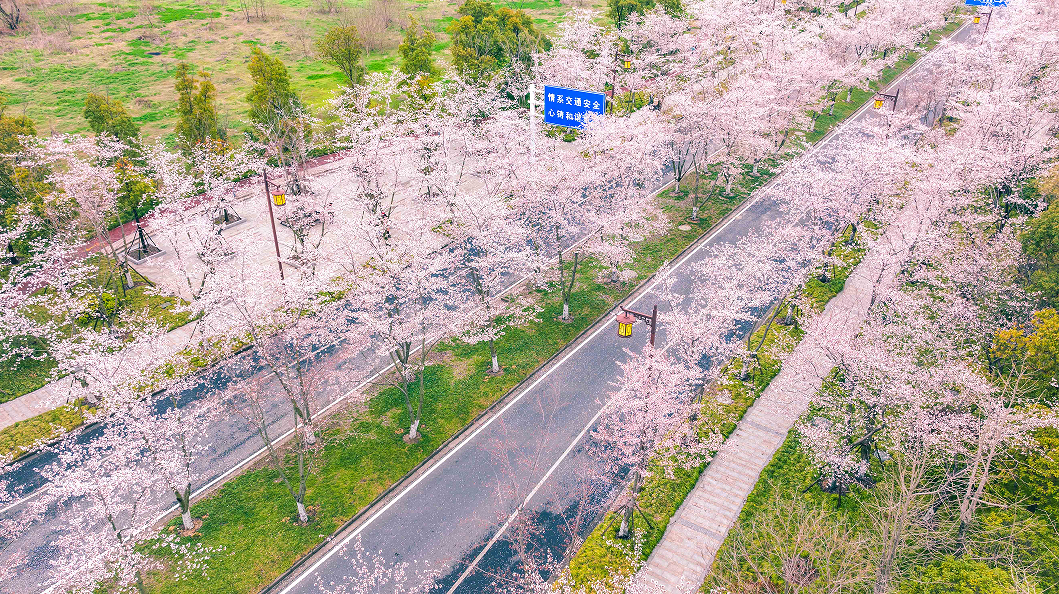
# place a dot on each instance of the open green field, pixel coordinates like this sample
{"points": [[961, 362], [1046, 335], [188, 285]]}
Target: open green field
{"points": [[129, 50]]}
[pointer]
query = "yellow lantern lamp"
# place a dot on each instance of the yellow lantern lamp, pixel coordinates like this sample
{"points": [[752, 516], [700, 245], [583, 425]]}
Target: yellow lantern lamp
{"points": [[279, 199], [625, 322], [627, 64], [878, 102], [977, 19]]}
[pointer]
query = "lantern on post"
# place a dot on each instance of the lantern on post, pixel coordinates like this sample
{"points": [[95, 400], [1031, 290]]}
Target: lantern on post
{"points": [[626, 62], [881, 98], [280, 199], [988, 17], [628, 317], [625, 322]]}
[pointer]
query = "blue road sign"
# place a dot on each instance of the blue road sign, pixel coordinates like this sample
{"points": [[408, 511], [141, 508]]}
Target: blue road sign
{"points": [[569, 107], [987, 2]]}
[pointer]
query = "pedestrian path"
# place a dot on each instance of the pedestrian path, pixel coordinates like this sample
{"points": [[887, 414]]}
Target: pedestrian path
{"points": [[57, 393], [681, 560]]}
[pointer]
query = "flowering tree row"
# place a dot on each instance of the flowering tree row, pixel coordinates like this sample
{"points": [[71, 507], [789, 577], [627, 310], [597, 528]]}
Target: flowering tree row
{"points": [[433, 211]]}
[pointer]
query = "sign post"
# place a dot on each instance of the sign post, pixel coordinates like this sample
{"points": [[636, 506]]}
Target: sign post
{"points": [[532, 122], [570, 107]]}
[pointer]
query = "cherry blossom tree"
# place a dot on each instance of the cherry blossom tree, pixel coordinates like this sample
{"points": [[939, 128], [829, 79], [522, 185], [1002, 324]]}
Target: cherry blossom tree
{"points": [[647, 419], [369, 573], [288, 322], [404, 299], [121, 377], [105, 498]]}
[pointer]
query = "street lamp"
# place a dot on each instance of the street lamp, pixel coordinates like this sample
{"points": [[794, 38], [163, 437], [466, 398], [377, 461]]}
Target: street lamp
{"points": [[628, 317], [625, 322], [280, 199], [880, 98], [988, 17]]}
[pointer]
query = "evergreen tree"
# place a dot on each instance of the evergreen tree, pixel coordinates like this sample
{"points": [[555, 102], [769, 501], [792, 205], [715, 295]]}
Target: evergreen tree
{"points": [[343, 47], [416, 50], [108, 116], [620, 10], [271, 96], [1040, 241], [197, 107], [486, 39], [16, 178]]}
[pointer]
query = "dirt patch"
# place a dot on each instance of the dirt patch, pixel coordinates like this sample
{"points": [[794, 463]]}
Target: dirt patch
{"points": [[440, 358], [461, 368]]}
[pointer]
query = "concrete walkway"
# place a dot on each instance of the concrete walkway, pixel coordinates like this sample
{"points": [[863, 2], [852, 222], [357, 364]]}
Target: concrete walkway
{"points": [[57, 393], [695, 533]]}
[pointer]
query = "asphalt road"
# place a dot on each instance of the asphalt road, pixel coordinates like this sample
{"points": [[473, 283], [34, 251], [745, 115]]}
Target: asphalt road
{"points": [[534, 456], [535, 452]]}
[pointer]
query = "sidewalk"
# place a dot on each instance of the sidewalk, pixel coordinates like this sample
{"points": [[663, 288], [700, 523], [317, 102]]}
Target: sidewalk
{"points": [[695, 533], [57, 393]]}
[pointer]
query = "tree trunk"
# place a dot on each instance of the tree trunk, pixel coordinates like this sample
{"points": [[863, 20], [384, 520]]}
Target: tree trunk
{"points": [[492, 351], [303, 517], [184, 500], [695, 213], [625, 531]]}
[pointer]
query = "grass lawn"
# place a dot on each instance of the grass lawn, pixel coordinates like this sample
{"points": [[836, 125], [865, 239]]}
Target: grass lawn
{"points": [[129, 50], [18, 438]]}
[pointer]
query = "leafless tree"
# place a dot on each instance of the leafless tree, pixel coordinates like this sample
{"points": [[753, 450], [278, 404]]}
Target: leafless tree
{"points": [[794, 546], [902, 509], [373, 20], [11, 14], [329, 6]]}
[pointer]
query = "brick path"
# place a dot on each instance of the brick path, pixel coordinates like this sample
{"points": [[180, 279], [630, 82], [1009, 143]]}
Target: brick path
{"points": [[680, 562]]}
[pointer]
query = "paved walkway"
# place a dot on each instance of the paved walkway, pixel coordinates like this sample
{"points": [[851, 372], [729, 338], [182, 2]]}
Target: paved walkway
{"points": [[57, 393], [682, 559]]}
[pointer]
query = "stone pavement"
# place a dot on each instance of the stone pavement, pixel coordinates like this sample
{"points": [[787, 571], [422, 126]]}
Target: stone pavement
{"points": [[695, 533]]}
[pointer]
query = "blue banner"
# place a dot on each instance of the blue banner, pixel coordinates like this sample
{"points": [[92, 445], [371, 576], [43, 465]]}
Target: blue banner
{"points": [[987, 2], [569, 107]]}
